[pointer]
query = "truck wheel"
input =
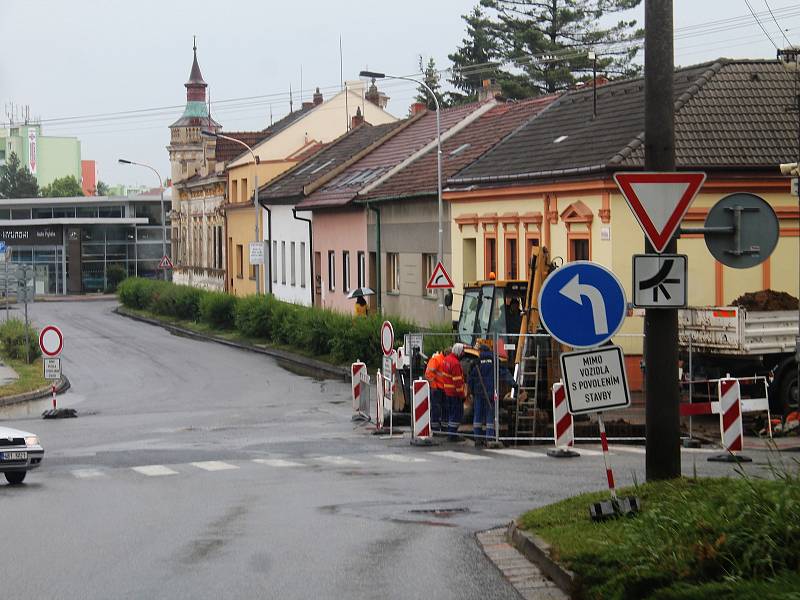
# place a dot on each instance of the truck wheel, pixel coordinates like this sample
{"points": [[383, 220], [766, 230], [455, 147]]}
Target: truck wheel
{"points": [[15, 477], [789, 391]]}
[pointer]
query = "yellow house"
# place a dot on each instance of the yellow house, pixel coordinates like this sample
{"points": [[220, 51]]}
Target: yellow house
{"points": [[551, 182], [289, 141]]}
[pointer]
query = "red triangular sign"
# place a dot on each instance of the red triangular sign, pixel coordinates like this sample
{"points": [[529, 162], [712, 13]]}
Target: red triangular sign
{"points": [[659, 201], [165, 263], [439, 280]]}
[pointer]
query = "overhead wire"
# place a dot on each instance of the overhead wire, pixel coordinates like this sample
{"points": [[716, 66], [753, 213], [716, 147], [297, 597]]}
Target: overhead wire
{"points": [[776, 23], [760, 25]]}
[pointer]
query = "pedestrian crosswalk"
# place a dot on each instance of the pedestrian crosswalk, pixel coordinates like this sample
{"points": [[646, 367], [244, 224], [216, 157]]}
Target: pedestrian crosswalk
{"points": [[431, 457]]}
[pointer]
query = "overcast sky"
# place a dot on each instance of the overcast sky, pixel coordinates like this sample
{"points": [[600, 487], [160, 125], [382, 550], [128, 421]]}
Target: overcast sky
{"points": [[67, 58]]}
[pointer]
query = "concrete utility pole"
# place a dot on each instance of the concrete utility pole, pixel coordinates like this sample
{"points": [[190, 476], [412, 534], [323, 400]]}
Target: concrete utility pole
{"points": [[662, 416]]}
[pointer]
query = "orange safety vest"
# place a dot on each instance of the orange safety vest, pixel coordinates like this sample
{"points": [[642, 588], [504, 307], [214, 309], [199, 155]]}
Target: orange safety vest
{"points": [[434, 373], [454, 377]]}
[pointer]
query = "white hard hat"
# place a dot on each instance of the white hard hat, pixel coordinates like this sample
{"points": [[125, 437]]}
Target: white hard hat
{"points": [[458, 349]]}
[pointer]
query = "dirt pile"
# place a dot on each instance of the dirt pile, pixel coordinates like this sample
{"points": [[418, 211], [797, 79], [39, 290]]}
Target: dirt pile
{"points": [[766, 300]]}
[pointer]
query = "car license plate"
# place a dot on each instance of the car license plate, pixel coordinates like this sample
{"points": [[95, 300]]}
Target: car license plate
{"points": [[15, 456]]}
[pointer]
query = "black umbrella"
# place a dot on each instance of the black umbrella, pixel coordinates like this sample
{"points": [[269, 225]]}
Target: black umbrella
{"points": [[360, 292]]}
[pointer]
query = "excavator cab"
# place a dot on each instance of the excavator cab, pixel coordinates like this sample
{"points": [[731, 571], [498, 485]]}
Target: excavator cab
{"points": [[491, 307]]}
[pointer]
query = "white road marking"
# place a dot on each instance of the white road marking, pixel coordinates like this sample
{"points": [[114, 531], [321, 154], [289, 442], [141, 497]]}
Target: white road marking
{"points": [[340, 461], [401, 458], [459, 455], [213, 465], [88, 473], [516, 453], [587, 451], [704, 450], [629, 449], [277, 462], [154, 470]]}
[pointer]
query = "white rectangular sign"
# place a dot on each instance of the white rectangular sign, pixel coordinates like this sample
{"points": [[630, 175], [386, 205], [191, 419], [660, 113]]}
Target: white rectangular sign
{"points": [[595, 380], [659, 280], [52, 368], [256, 253], [413, 340], [388, 379]]}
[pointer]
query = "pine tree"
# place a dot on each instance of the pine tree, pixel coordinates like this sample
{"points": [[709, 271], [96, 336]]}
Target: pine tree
{"points": [[432, 79], [16, 181]]}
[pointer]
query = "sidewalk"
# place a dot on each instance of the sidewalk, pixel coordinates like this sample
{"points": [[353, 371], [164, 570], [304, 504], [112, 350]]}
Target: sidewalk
{"points": [[7, 374]]}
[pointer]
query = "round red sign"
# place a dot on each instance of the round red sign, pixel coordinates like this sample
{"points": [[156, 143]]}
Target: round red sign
{"points": [[51, 341], [387, 338]]}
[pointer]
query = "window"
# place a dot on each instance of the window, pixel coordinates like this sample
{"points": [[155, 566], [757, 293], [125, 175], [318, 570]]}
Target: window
{"points": [[20, 213], [218, 253], [393, 272], [239, 261], [511, 258], [362, 269], [345, 271], [331, 270], [274, 261], [302, 264], [428, 265], [43, 213], [292, 263], [578, 248], [283, 263], [243, 189], [253, 272], [489, 257], [531, 242], [234, 197]]}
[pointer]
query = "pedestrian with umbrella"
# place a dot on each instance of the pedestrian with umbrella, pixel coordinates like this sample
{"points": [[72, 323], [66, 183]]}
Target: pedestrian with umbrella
{"points": [[361, 308]]}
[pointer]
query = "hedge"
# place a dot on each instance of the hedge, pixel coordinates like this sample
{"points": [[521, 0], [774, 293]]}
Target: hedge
{"points": [[12, 341], [322, 332]]}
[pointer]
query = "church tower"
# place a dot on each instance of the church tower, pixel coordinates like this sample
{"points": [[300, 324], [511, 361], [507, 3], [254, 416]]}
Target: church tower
{"points": [[189, 152]]}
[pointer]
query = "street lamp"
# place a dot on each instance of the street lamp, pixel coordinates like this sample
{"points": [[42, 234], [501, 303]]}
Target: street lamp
{"points": [[214, 134], [122, 161], [440, 248]]}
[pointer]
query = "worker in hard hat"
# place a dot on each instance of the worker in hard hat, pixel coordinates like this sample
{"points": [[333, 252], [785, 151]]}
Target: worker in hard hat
{"points": [[434, 373], [481, 385], [454, 390]]}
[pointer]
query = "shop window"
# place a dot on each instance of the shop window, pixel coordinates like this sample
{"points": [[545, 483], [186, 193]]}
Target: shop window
{"points": [[511, 258], [393, 272]]}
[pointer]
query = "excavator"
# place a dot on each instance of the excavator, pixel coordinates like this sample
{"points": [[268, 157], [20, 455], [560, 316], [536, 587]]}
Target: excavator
{"points": [[505, 307]]}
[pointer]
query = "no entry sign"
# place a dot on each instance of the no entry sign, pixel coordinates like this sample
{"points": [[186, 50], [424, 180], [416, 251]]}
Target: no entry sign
{"points": [[51, 341], [387, 338]]}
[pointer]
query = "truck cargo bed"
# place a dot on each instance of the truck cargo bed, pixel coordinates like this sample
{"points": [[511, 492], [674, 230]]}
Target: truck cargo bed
{"points": [[731, 330]]}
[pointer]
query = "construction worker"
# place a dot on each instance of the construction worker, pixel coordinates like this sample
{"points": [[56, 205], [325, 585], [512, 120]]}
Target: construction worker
{"points": [[454, 390], [481, 386], [434, 373]]}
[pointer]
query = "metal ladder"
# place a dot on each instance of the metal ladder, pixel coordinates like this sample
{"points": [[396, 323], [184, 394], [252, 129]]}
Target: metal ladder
{"points": [[526, 374]]}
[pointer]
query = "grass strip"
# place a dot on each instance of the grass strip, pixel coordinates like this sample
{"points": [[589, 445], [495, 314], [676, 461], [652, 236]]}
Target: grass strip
{"points": [[31, 378], [695, 538]]}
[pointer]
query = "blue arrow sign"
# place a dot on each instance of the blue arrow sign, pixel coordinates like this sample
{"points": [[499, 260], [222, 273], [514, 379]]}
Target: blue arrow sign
{"points": [[582, 304], [2, 247]]}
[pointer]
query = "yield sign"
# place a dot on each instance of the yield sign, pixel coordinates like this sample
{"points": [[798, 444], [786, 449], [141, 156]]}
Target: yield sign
{"points": [[439, 280], [659, 201]]}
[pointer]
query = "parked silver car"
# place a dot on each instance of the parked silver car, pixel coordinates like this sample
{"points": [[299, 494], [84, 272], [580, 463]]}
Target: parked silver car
{"points": [[20, 452]]}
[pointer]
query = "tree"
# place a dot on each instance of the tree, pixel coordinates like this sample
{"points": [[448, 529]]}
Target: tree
{"points": [[548, 42], [17, 181], [432, 79], [63, 187], [101, 189]]}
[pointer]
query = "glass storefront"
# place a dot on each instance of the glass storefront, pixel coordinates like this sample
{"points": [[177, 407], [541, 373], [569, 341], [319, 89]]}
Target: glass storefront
{"points": [[48, 266]]}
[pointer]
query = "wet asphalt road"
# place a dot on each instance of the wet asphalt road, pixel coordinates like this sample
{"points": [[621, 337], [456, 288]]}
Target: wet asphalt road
{"points": [[200, 471]]}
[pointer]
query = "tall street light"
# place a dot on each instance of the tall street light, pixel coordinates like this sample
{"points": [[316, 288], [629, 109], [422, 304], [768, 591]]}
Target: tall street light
{"points": [[440, 248], [214, 134], [123, 161]]}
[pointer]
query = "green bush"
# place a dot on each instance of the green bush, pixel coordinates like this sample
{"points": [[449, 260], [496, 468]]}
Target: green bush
{"points": [[187, 302], [253, 314], [12, 341], [137, 292], [114, 276], [218, 309]]}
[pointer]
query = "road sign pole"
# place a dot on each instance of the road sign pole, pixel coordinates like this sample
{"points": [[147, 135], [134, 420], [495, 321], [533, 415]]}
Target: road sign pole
{"points": [[663, 458]]}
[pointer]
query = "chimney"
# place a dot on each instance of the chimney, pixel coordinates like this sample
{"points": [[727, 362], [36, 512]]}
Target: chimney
{"points": [[377, 98], [489, 89], [417, 108], [317, 98], [357, 119], [307, 105]]}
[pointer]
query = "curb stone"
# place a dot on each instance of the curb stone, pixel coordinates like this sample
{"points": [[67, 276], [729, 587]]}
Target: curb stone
{"points": [[527, 578], [536, 550], [328, 370], [45, 392]]}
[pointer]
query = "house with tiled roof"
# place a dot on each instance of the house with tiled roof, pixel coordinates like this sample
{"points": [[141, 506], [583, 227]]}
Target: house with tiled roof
{"points": [[198, 174], [291, 140], [295, 278], [555, 175], [408, 205], [345, 246]]}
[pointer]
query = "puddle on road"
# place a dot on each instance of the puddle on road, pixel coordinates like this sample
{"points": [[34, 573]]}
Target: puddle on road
{"points": [[22, 410]]}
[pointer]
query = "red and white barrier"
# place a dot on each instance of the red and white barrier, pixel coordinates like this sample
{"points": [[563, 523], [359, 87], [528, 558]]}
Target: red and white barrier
{"points": [[422, 409], [359, 377], [747, 405], [730, 415], [381, 388], [562, 419], [604, 443]]}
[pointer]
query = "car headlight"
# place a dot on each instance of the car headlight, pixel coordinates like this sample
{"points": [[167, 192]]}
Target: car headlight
{"points": [[31, 440]]}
